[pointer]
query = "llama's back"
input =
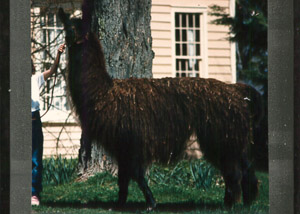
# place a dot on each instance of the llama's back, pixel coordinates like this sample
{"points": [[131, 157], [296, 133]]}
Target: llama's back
{"points": [[162, 114]]}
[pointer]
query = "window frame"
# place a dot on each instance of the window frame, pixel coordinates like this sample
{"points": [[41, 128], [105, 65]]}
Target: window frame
{"points": [[202, 11]]}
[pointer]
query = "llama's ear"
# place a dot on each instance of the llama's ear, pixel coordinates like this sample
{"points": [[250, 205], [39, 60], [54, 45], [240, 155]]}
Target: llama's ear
{"points": [[63, 16], [87, 9]]}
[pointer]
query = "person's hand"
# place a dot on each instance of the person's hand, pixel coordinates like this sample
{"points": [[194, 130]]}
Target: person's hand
{"points": [[61, 49]]}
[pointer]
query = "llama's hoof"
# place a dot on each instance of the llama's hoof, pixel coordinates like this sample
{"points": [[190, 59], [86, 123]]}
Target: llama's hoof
{"points": [[228, 205], [229, 202], [250, 196], [121, 204], [151, 207], [247, 201]]}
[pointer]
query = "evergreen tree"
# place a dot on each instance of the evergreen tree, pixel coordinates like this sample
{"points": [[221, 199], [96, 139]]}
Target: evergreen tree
{"points": [[248, 28]]}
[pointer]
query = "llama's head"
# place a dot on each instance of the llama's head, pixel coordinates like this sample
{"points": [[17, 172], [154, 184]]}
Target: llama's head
{"points": [[73, 27]]}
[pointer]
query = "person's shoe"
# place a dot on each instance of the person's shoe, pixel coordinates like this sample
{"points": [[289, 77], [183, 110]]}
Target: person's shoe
{"points": [[35, 201]]}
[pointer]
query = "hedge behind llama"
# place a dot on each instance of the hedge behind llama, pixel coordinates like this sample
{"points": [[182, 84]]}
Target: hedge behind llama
{"points": [[139, 121]]}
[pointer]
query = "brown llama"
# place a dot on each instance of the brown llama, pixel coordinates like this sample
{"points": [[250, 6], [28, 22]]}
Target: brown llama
{"points": [[140, 121]]}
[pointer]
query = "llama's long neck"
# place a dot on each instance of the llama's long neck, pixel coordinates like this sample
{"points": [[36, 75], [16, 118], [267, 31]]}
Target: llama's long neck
{"points": [[88, 78]]}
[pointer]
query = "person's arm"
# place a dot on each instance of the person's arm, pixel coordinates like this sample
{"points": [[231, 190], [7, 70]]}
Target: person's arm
{"points": [[54, 67]]}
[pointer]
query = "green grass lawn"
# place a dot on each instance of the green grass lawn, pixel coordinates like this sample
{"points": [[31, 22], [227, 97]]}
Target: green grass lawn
{"points": [[177, 189]]}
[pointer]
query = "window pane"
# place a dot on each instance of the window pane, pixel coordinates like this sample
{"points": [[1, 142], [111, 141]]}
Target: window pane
{"points": [[44, 36], [58, 22], [176, 19], [177, 49], [42, 21], [190, 74], [191, 36], [51, 20], [51, 35], [177, 35], [197, 65], [183, 20], [197, 20], [191, 24], [56, 103], [191, 49], [184, 49], [191, 64], [66, 104], [198, 50], [183, 65], [184, 39], [197, 35]]}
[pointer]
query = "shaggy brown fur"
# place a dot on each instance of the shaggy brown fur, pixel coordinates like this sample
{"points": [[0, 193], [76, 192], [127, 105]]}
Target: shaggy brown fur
{"points": [[139, 121]]}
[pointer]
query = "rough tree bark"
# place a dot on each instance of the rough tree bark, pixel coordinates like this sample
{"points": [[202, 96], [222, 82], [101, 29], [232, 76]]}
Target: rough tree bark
{"points": [[124, 30]]}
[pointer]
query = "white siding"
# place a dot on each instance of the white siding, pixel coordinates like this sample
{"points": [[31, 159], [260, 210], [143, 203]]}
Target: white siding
{"points": [[68, 143], [219, 50]]}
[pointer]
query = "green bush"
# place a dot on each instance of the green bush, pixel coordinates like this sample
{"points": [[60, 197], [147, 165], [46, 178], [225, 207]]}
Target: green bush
{"points": [[204, 175], [198, 173], [59, 170]]}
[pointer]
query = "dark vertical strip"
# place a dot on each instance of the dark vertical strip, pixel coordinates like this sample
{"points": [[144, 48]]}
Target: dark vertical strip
{"points": [[281, 106], [20, 113], [4, 107], [297, 103]]}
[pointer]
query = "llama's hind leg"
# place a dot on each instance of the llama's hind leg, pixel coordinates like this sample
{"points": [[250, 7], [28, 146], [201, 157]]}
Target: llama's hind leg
{"points": [[232, 177], [139, 177], [249, 182], [123, 182]]}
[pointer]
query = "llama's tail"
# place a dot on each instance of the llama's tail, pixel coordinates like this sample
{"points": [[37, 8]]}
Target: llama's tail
{"points": [[260, 136], [258, 113]]}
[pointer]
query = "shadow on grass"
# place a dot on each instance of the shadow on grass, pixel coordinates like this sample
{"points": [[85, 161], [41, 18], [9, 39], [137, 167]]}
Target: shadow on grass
{"points": [[139, 206]]}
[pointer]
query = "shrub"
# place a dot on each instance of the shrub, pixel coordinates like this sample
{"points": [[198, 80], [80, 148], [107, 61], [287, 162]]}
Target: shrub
{"points": [[198, 173], [59, 170], [204, 175]]}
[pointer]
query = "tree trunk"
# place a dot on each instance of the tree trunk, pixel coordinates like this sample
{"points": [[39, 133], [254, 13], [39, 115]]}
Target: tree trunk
{"points": [[124, 29], [125, 34]]}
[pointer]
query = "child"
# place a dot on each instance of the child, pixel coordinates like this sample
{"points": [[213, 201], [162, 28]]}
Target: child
{"points": [[37, 80]]}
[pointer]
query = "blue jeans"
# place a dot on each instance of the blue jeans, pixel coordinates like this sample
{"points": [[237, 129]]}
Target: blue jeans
{"points": [[37, 153]]}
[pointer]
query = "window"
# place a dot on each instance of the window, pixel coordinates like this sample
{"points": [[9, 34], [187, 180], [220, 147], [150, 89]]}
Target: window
{"points": [[47, 36], [188, 44], [52, 36]]}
